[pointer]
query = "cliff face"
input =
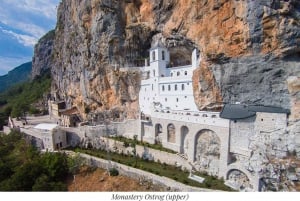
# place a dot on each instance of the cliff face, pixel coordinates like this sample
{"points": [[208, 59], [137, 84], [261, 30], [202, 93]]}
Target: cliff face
{"points": [[42, 59], [244, 45], [93, 39], [249, 49]]}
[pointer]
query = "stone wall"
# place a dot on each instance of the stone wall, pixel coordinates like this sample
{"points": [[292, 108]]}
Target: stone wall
{"points": [[245, 148], [241, 131], [187, 140], [169, 184]]}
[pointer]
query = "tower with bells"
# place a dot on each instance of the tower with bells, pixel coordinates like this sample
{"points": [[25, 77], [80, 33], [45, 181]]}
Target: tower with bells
{"points": [[159, 60]]}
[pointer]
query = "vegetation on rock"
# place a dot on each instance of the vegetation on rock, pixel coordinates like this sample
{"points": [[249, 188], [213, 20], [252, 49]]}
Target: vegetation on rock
{"points": [[18, 100], [18, 75]]}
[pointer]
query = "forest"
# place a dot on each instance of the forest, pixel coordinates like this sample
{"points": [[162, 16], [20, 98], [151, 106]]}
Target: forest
{"points": [[19, 99], [24, 168]]}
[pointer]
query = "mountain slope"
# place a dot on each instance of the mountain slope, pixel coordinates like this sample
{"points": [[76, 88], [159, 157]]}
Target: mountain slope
{"points": [[17, 75]]}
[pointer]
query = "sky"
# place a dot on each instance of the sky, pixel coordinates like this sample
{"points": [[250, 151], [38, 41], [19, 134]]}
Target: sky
{"points": [[22, 23]]}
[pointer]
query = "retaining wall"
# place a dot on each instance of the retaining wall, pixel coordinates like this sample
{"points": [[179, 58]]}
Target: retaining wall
{"points": [[138, 174]]}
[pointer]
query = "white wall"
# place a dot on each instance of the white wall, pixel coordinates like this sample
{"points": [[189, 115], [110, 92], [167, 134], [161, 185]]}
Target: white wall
{"points": [[47, 140], [268, 122], [60, 138], [175, 93], [241, 131]]}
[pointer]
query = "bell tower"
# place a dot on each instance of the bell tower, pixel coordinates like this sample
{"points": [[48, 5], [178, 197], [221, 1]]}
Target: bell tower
{"points": [[159, 60]]}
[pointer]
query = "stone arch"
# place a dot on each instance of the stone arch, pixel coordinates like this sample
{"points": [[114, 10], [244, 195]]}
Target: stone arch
{"points": [[158, 131], [207, 151], [184, 142], [238, 180], [171, 133]]}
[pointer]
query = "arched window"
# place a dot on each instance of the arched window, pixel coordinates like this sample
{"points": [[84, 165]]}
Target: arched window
{"points": [[175, 87], [163, 87], [182, 87], [153, 55], [153, 73], [163, 55], [185, 72], [177, 99], [169, 87], [178, 73]]}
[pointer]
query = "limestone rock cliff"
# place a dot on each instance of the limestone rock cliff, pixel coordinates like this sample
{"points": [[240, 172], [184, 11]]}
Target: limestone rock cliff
{"points": [[249, 50], [42, 59], [244, 45]]}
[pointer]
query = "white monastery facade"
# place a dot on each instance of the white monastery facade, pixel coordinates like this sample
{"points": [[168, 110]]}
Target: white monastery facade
{"points": [[227, 144], [165, 87], [219, 143]]}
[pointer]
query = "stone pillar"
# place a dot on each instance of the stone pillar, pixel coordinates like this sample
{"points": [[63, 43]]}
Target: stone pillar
{"points": [[223, 134]]}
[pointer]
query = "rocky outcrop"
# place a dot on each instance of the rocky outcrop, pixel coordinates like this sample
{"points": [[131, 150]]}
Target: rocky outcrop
{"points": [[243, 44], [249, 50], [93, 40], [42, 59]]}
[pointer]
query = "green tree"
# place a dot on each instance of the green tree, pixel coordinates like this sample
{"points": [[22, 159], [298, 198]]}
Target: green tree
{"points": [[56, 165], [23, 168], [133, 145], [74, 164]]}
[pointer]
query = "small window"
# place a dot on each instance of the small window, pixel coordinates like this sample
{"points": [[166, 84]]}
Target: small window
{"points": [[163, 55], [152, 87], [262, 119], [175, 87], [153, 73], [166, 99], [185, 72], [169, 87], [178, 73], [171, 74], [177, 99], [163, 87], [153, 55], [182, 87]]}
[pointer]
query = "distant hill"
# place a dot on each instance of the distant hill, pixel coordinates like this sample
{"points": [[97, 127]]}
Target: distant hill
{"points": [[17, 75]]}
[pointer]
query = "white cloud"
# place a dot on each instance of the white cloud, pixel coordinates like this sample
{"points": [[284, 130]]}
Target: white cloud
{"points": [[35, 17], [32, 29], [46, 8], [23, 39], [27, 21]]}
